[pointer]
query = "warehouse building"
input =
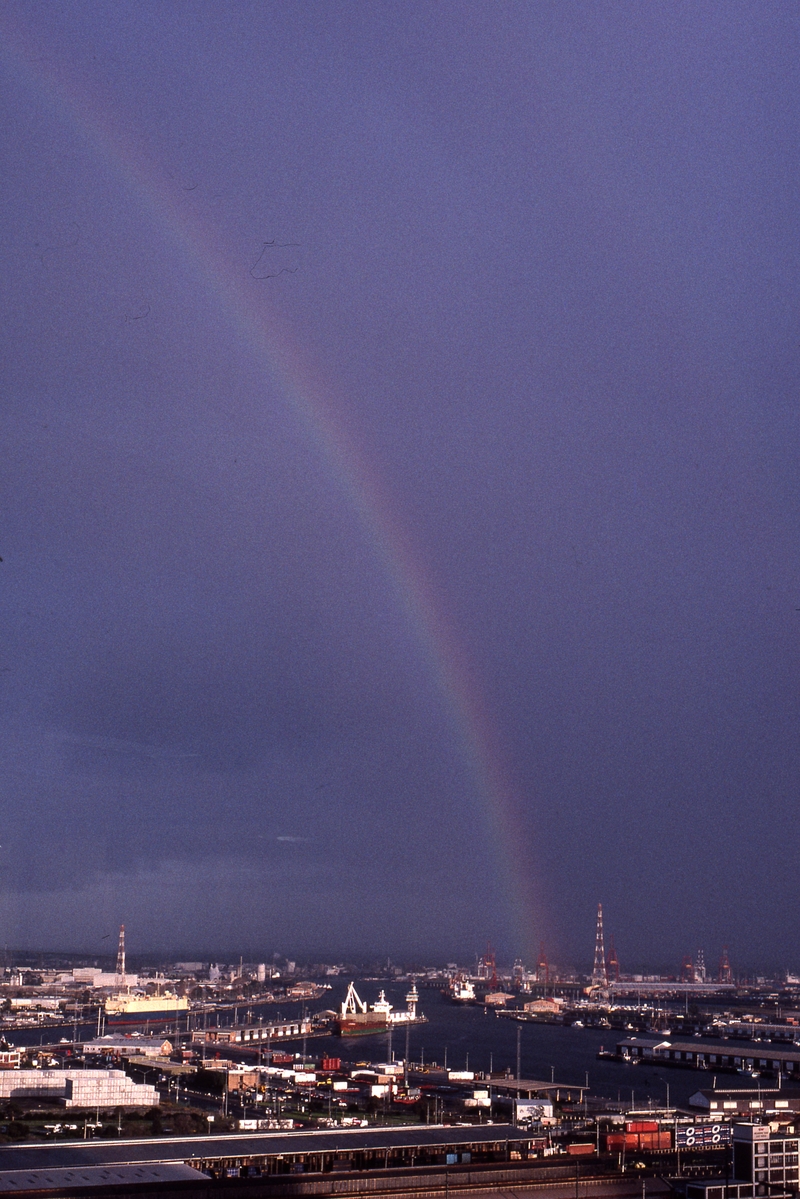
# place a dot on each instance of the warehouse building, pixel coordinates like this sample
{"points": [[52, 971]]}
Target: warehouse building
{"points": [[129, 1046], [276, 1153], [750, 1102]]}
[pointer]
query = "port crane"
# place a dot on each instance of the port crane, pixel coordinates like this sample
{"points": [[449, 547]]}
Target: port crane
{"points": [[352, 1002]]}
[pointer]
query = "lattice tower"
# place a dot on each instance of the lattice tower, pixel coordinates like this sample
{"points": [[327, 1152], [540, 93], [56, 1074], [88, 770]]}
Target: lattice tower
{"points": [[599, 973], [121, 952]]}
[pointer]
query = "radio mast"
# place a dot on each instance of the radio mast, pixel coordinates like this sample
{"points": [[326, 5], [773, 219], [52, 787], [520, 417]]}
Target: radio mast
{"points": [[121, 956], [599, 972]]}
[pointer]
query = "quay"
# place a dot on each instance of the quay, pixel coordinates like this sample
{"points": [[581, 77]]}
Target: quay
{"points": [[254, 1034]]}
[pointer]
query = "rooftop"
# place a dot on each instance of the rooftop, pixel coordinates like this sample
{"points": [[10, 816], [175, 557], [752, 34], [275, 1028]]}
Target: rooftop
{"points": [[266, 1144]]}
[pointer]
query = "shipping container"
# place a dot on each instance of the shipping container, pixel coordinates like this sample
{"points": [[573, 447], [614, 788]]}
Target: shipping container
{"points": [[331, 1063], [617, 1141], [581, 1149]]}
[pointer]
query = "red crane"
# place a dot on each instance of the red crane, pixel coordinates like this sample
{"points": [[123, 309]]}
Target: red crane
{"points": [[542, 968], [612, 964], [725, 973], [491, 965]]}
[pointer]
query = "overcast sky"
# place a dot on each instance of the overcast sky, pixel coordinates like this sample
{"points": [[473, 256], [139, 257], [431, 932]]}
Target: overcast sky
{"points": [[400, 478]]}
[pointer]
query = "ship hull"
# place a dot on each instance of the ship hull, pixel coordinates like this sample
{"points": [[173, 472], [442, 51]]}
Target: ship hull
{"points": [[132, 1019], [361, 1028]]}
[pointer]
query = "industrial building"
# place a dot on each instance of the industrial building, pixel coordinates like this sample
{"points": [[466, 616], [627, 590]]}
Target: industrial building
{"points": [[764, 1163], [129, 1046], [751, 1102], [112, 1166], [77, 1088], [144, 1181], [280, 1152]]}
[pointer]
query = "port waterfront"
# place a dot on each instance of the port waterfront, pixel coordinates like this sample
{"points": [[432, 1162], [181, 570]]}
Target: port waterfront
{"points": [[475, 1038], [463, 1037]]}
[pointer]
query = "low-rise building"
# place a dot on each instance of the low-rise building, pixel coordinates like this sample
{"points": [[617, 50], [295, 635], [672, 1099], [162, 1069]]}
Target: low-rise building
{"points": [[750, 1101], [129, 1046]]}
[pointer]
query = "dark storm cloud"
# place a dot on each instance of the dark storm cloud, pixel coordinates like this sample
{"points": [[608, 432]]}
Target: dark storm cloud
{"points": [[543, 259]]}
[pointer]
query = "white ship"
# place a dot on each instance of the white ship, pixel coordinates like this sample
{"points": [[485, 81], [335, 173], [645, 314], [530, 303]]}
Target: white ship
{"points": [[461, 990], [145, 1009]]}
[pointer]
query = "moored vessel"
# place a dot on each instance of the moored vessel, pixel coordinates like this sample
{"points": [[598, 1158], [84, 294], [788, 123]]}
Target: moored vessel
{"points": [[356, 1019], [461, 990], [144, 1009]]}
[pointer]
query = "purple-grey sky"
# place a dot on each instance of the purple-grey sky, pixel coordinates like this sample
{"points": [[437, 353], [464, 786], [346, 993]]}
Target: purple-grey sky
{"points": [[396, 397]]}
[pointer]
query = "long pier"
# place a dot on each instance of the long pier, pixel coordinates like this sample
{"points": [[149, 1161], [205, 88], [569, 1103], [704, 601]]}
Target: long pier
{"points": [[715, 1055], [255, 1034]]}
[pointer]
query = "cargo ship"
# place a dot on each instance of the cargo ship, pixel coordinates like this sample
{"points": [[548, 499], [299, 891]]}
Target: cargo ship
{"points": [[460, 990], [355, 1019], [145, 1009]]}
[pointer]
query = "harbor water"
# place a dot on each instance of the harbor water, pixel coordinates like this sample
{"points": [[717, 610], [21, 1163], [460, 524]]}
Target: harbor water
{"points": [[471, 1037], [463, 1037]]}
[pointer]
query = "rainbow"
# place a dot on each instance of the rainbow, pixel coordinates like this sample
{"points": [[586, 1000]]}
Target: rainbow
{"points": [[313, 400]]}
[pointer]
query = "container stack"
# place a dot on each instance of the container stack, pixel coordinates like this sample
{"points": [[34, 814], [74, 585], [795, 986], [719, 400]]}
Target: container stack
{"points": [[639, 1134], [77, 1088]]}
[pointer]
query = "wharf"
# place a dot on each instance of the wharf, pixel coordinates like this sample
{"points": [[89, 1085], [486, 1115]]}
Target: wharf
{"points": [[533, 1088], [717, 1055], [255, 1034]]}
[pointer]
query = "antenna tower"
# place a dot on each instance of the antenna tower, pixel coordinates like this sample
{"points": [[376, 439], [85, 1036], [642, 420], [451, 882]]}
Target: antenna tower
{"points": [[121, 954], [599, 972]]}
